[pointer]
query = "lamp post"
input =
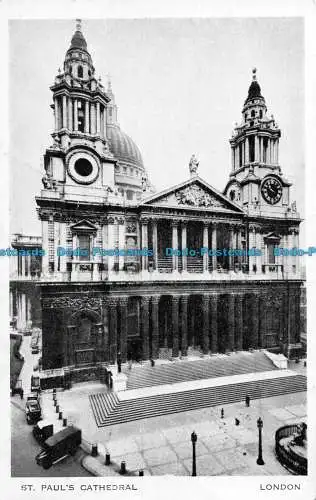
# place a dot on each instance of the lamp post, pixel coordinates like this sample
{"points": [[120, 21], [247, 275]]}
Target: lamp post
{"points": [[260, 425], [194, 440]]}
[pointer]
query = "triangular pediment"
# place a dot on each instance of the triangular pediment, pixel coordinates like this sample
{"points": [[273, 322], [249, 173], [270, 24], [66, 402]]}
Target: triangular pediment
{"points": [[83, 225], [194, 193]]}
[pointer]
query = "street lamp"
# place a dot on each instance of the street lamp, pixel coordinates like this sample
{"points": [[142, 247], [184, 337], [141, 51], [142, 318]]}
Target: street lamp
{"points": [[260, 425], [194, 440]]}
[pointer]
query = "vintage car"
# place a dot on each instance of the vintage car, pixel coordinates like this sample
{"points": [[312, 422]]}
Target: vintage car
{"points": [[33, 411]]}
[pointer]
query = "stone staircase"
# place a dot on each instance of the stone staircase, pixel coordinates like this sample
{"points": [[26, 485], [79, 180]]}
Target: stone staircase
{"points": [[163, 404], [183, 371]]}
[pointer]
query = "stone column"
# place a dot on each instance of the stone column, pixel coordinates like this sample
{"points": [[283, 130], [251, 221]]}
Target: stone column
{"points": [[255, 321], [98, 118], [155, 243], [231, 322], [70, 121], [63, 244], [105, 244], [233, 158], [111, 242], [23, 265], [238, 322], [29, 266], [256, 148], [247, 150], [92, 118], [231, 247], [277, 151], [87, 118], [29, 308], [112, 302], [123, 327], [263, 322], [175, 326], [174, 225], [214, 246], [213, 304], [122, 245], [23, 311], [205, 245], [184, 244], [145, 326], [144, 224], [64, 111], [258, 247], [184, 324], [56, 114], [206, 325], [252, 243], [76, 115], [155, 326], [45, 265]]}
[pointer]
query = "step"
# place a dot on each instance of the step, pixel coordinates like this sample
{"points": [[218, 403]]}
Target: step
{"points": [[164, 404]]}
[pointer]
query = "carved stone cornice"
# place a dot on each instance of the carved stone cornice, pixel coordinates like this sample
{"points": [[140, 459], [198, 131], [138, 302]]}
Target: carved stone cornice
{"points": [[68, 302]]}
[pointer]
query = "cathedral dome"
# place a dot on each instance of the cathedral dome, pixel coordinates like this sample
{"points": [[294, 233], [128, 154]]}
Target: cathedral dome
{"points": [[124, 148]]}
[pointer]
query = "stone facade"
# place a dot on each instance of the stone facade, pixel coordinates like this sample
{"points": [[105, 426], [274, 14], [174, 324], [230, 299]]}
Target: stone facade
{"points": [[101, 307]]}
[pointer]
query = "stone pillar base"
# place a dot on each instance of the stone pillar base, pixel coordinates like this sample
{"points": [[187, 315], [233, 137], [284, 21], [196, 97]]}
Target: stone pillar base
{"points": [[119, 382]]}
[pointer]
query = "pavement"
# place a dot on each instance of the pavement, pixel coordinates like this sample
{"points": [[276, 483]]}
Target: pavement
{"points": [[162, 445]]}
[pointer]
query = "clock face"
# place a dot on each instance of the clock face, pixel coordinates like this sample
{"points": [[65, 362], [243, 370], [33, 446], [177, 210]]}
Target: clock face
{"points": [[271, 190]]}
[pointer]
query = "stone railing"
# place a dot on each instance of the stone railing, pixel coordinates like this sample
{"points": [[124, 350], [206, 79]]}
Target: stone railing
{"points": [[296, 463]]}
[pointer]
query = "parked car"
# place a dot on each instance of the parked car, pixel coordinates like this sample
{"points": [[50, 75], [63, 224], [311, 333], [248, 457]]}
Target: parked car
{"points": [[33, 411], [43, 430], [58, 446], [35, 383], [35, 349]]}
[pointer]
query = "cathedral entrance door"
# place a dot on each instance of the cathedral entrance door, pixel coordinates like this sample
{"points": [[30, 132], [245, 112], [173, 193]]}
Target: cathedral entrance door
{"points": [[85, 343]]}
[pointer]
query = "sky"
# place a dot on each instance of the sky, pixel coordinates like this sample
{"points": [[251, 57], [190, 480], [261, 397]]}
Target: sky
{"points": [[179, 84]]}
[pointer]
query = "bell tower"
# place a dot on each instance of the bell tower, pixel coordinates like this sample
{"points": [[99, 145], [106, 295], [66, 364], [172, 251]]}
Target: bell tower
{"points": [[256, 179], [79, 164]]}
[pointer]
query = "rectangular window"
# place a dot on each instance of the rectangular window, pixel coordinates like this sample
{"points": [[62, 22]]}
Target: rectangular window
{"points": [[84, 245], [271, 256]]}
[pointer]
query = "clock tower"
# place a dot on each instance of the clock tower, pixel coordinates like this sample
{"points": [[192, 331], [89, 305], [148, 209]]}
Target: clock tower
{"points": [[256, 179]]}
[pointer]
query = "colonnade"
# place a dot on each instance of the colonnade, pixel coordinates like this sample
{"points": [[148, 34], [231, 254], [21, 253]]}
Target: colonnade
{"points": [[266, 150], [67, 115], [213, 336]]}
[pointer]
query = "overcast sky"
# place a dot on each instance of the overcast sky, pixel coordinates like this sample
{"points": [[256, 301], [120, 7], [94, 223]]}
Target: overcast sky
{"points": [[179, 84]]}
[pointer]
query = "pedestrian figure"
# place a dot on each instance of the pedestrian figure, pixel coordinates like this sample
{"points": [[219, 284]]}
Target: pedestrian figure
{"points": [[21, 394], [119, 362], [247, 401], [152, 362], [129, 364], [222, 413], [237, 421]]}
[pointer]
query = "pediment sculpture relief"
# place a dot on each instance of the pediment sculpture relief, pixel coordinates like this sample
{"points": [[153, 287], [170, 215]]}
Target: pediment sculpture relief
{"points": [[196, 197]]}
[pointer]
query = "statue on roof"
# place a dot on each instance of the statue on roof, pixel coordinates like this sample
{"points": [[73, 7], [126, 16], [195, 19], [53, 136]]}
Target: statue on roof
{"points": [[193, 165]]}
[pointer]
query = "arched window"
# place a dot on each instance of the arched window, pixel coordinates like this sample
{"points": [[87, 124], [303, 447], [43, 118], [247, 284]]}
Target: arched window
{"points": [[80, 72], [260, 113], [253, 113]]}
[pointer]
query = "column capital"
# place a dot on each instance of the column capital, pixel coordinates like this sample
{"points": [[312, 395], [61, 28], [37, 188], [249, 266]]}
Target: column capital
{"points": [[184, 298], [206, 222], [175, 298], [175, 223], [120, 221], [145, 299], [123, 300], [112, 301], [144, 221], [155, 299]]}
